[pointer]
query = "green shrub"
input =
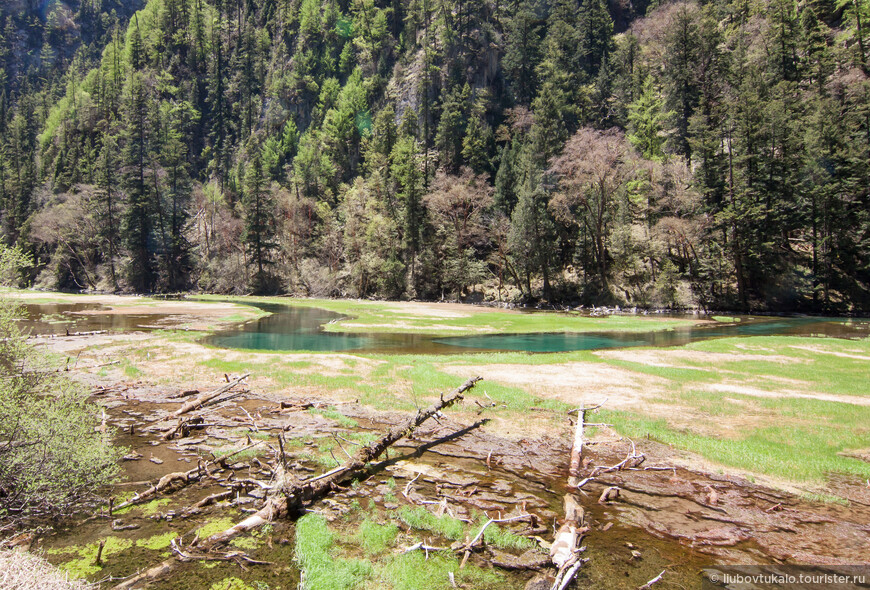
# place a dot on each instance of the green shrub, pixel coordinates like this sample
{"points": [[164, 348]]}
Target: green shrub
{"points": [[54, 455]]}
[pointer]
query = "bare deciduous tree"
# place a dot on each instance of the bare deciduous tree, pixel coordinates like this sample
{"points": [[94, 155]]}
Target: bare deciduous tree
{"points": [[592, 171]]}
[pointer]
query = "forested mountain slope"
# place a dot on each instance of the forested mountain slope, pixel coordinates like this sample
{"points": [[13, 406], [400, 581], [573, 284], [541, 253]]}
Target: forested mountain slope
{"points": [[712, 153]]}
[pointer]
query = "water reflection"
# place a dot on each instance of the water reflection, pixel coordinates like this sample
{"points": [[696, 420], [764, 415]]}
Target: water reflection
{"points": [[301, 328], [63, 318]]}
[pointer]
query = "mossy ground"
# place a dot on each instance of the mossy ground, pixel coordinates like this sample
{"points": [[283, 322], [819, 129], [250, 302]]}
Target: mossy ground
{"points": [[364, 550]]}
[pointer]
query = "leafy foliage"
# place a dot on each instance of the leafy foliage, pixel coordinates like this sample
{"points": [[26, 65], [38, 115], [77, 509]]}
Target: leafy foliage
{"points": [[54, 456]]}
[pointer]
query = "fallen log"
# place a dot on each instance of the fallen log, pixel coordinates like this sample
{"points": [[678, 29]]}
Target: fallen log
{"points": [[238, 486], [649, 584], [577, 448], [291, 496], [184, 427], [69, 334], [184, 477], [570, 534], [609, 494], [207, 397], [566, 548], [187, 393]]}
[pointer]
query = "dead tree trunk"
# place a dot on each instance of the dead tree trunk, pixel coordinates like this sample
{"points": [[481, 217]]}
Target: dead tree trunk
{"points": [[577, 450], [290, 499], [207, 397], [295, 496], [566, 549]]}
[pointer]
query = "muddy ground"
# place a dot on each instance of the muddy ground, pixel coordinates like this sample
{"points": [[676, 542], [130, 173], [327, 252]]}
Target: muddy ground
{"points": [[665, 518], [674, 513]]}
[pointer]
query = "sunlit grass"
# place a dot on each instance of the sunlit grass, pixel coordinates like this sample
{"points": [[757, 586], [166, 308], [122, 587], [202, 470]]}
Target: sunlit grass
{"points": [[798, 450], [321, 570], [333, 414], [421, 519], [417, 571], [374, 537]]}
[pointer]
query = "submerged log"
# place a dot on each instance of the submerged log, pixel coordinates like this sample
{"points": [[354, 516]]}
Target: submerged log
{"points": [[291, 496], [183, 428], [183, 477], [207, 397]]}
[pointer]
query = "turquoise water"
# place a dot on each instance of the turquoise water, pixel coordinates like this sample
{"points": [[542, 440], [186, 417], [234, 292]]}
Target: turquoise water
{"points": [[301, 328], [298, 328]]}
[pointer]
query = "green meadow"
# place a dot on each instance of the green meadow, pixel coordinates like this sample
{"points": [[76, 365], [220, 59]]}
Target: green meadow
{"points": [[793, 408]]}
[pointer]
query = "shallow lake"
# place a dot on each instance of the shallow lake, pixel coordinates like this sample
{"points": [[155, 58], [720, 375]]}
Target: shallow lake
{"points": [[298, 328], [301, 328]]}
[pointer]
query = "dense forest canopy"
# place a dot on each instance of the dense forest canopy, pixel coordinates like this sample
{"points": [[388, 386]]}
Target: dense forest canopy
{"points": [[710, 153]]}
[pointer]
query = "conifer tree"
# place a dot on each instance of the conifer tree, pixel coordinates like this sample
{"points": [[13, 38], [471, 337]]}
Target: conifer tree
{"points": [[109, 206], [259, 234], [647, 118], [138, 220], [523, 49]]}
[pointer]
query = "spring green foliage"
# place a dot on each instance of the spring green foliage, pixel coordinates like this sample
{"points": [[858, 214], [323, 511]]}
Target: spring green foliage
{"points": [[307, 147], [52, 460], [12, 262]]}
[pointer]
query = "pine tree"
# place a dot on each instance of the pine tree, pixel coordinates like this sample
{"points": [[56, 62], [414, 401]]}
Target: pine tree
{"points": [[138, 217], [176, 257], [219, 125], [647, 118], [596, 40], [682, 92], [506, 178], [531, 237], [451, 129], [478, 140], [523, 50], [259, 234], [109, 206], [406, 170]]}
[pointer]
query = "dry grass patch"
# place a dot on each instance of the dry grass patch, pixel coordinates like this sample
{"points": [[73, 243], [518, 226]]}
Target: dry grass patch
{"points": [[20, 570], [574, 383]]}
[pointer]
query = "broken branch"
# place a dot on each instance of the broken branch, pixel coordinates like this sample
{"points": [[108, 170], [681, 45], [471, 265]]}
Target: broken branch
{"points": [[205, 398]]}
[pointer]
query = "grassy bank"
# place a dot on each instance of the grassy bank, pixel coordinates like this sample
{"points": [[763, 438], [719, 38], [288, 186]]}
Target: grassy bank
{"points": [[791, 408], [788, 407]]}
